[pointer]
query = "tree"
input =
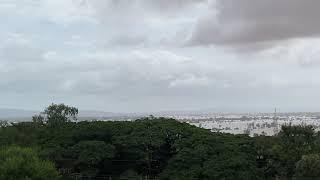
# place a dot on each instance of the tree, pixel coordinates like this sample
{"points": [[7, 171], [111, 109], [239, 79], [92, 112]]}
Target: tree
{"points": [[18, 163], [4, 124], [57, 114], [90, 154], [308, 167], [38, 119], [294, 141]]}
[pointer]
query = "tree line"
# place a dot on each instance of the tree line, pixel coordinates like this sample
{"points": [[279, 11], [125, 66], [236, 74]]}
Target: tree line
{"points": [[55, 146]]}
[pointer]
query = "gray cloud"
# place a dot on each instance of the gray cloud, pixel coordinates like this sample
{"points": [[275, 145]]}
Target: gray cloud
{"points": [[244, 22], [166, 5]]}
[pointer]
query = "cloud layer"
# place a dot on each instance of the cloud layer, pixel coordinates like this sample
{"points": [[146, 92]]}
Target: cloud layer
{"points": [[247, 22], [150, 55]]}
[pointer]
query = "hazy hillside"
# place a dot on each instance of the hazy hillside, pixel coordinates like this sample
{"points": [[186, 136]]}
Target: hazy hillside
{"points": [[25, 115], [16, 113]]}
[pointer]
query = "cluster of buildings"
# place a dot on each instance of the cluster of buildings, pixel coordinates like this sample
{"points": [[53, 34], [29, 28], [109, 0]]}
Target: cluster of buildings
{"points": [[251, 124]]}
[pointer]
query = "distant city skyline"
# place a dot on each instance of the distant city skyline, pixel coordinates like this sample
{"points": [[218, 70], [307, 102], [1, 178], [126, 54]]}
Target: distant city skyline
{"points": [[27, 113]]}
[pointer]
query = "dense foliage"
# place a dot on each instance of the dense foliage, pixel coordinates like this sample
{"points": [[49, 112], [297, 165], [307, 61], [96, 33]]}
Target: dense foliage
{"points": [[23, 164], [149, 147], [159, 148]]}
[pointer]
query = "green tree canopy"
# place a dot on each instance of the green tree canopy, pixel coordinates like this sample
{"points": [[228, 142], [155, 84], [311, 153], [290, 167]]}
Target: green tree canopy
{"points": [[91, 154], [56, 114], [308, 167], [294, 141], [18, 163]]}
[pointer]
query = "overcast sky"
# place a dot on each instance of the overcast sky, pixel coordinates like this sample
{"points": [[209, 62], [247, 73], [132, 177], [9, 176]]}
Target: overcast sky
{"points": [[157, 55]]}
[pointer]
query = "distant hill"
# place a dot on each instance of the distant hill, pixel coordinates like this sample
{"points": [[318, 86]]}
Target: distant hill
{"points": [[16, 113], [89, 113], [26, 115]]}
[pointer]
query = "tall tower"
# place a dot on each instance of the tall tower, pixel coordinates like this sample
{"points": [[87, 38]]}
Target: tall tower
{"points": [[275, 122]]}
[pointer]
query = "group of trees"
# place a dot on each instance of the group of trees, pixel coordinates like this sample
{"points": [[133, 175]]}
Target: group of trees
{"points": [[150, 148], [293, 153], [55, 115], [18, 163]]}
